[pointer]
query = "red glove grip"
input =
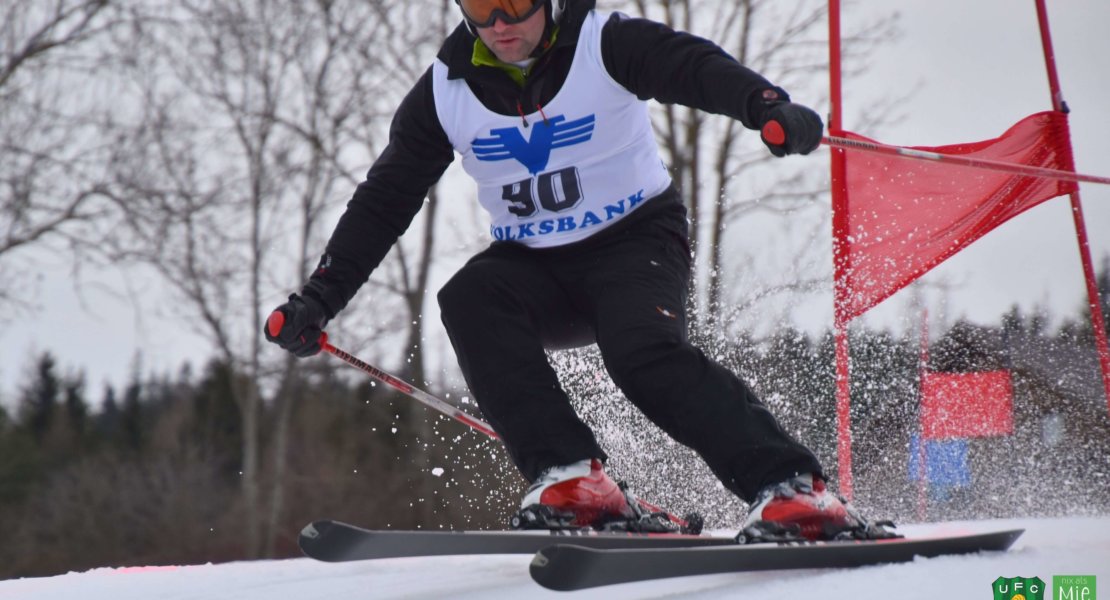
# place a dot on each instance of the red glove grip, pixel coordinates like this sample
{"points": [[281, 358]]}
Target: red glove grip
{"points": [[275, 323], [773, 133]]}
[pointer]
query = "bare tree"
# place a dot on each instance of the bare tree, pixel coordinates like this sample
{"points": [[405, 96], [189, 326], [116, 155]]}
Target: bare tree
{"points": [[406, 276], [256, 117], [250, 120], [57, 129]]}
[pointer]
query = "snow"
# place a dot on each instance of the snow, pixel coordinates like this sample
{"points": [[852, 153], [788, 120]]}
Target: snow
{"points": [[1060, 546]]}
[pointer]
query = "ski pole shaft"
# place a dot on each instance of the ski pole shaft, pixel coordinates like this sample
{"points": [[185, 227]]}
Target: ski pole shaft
{"points": [[277, 320], [402, 386], [978, 163]]}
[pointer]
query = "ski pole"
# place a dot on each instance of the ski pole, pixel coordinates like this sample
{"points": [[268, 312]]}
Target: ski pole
{"points": [[774, 133], [978, 163], [277, 321]]}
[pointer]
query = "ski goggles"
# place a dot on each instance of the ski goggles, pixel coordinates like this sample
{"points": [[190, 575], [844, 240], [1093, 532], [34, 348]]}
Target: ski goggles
{"points": [[483, 13]]}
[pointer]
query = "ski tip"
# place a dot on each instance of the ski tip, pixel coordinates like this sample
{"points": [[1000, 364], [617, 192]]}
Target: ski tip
{"points": [[316, 529], [313, 542], [985, 541], [310, 531], [561, 567], [543, 570], [1009, 537]]}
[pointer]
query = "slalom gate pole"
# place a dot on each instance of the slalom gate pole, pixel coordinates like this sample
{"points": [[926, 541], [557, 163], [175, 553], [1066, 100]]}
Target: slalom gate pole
{"points": [[977, 163], [277, 319], [842, 257], [1094, 302]]}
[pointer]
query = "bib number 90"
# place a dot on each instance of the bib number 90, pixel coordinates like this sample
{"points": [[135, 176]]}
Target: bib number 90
{"points": [[556, 191]]}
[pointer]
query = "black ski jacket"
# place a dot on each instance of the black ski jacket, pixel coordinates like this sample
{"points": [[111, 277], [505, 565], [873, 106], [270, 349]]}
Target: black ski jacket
{"points": [[647, 58]]}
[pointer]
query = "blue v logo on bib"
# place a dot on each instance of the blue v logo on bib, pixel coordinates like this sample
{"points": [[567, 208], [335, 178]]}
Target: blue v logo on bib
{"points": [[534, 153]]}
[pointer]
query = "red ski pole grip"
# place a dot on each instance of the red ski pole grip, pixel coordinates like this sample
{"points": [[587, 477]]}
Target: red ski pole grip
{"points": [[275, 323], [773, 133]]}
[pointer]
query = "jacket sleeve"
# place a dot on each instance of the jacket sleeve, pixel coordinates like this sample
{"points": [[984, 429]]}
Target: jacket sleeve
{"points": [[384, 205], [654, 61]]}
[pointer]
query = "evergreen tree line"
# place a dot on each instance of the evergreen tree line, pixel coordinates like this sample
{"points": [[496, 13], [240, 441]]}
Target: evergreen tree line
{"points": [[150, 474]]}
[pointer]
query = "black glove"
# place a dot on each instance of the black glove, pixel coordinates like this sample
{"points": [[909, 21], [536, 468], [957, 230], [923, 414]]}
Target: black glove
{"points": [[790, 128], [297, 325]]}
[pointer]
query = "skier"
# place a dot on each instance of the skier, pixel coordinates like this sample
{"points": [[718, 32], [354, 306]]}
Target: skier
{"points": [[545, 100]]}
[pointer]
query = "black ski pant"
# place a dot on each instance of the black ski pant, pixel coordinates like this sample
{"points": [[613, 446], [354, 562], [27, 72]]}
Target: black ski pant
{"points": [[626, 291]]}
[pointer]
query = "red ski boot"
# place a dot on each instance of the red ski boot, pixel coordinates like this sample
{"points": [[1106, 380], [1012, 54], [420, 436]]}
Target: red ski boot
{"points": [[799, 507], [573, 496]]}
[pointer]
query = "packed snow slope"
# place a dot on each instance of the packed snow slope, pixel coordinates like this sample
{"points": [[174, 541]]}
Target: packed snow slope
{"points": [[1066, 546]]}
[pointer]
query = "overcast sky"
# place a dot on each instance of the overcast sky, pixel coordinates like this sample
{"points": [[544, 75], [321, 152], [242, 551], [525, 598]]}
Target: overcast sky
{"points": [[980, 69]]}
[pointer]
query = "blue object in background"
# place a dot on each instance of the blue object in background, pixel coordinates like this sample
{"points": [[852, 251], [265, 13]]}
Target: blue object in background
{"points": [[945, 463]]}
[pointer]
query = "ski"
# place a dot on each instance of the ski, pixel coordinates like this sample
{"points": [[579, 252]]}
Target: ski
{"points": [[570, 566], [333, 541]]}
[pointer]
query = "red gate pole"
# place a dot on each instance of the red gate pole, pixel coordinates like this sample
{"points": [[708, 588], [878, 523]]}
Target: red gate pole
{"points": [[841, 266], [1098, 322]]}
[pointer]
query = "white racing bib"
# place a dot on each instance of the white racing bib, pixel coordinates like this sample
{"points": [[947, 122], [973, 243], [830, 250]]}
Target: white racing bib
{"points": [[588, 159]]}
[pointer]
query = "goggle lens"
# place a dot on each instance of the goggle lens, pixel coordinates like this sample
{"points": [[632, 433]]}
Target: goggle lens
{"points": [[483, 13]]}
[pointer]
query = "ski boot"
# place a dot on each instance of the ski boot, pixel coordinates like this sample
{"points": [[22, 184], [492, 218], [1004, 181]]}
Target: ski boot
{"points": [[581, 495], [800, 510]]}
